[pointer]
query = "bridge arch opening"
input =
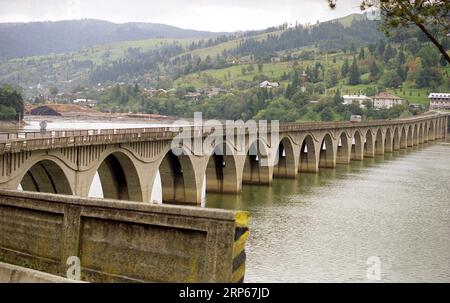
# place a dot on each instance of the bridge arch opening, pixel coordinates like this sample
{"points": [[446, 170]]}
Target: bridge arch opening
{"points": [[308, 158], [118, 178], [256, 166], [343, 150], [379, 143], [368, 145], [388, 142], [357, 148], [46, 176], [284, 166], [178, 180], [326, 158], [221, 172]]}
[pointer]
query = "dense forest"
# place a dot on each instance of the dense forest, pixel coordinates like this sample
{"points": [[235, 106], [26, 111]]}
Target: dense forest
{"points": [[327, 36]]}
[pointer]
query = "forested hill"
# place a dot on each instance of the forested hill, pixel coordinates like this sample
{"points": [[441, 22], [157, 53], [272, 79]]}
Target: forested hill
{"points": [[326, 36], [42, 38]]}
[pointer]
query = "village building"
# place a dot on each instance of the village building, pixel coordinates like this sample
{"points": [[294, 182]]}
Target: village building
{"points": [[85, 102], [275, 59], [358, 99], [386, 100], [439, 100], [267, 84]]}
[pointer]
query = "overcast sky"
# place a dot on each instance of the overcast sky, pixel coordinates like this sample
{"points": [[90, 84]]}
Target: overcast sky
{"points": [[211, 15]]}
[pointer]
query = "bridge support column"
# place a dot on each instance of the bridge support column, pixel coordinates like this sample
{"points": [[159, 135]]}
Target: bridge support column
{"points": [[328, 153], [286, 165], [223, 175], [254, 173], [446, 126], [369, 146], [344, 152]]}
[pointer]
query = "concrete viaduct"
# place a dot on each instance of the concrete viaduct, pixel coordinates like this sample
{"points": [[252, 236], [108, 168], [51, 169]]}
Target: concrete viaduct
{"points": [[127, 160]]}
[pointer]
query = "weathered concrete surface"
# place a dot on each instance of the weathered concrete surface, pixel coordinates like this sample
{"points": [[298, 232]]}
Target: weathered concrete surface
{"points": [[15, 274], [120, 241]]}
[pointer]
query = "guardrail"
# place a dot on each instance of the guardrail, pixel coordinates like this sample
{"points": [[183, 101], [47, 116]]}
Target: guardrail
{"points": [[19, 141]]}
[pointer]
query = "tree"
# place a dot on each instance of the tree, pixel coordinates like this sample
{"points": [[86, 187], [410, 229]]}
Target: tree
{"points": [[53, 91], [326, 114], [337, 99], [391, 79], [374, 70], [332, 77], [354, 77], [389, 53], [345, 68], [362, 54], [430, 16], [401, 57], [11, 102], [372, 47], [278, 109], [260, 67]]}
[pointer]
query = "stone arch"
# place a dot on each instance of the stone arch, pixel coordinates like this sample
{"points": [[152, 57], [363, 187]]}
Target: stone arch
{"points": [[396, 139], [221, 171], [46, 176], [326, 156], [284, 166], [357, 152], [369, 147], [343, 149], [119, 177], [410, 140], [257, 167], [178, 180], [379, 142], [308, 156]]}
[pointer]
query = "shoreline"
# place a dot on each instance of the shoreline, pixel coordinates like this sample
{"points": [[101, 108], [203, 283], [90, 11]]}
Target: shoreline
{"points": [[7, 125]]}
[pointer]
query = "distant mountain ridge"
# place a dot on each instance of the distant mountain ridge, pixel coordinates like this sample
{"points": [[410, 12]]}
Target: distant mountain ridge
{"points": [[43, 38]]}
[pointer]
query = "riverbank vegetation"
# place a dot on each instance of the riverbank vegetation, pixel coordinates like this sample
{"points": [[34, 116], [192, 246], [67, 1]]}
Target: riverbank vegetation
{"points": [[11, 104]]}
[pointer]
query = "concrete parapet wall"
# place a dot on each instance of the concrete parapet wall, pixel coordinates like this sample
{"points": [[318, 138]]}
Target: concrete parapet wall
{"points": [[15, 274], [120, 241]]}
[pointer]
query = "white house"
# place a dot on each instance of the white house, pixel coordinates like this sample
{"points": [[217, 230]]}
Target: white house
{"points": [[267, 84], [386, 100], [85, 102], [359, 99], [439, 100]]}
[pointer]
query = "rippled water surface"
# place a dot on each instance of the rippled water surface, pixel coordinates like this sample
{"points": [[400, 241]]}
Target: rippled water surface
{"points": [[323, 227]]}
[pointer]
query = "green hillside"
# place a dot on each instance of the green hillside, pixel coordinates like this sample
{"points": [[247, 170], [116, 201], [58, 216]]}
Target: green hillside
{"points": [[221, 76]]}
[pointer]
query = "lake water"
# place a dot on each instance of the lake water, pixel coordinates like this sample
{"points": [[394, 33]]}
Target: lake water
{"points": [[323, 227]]}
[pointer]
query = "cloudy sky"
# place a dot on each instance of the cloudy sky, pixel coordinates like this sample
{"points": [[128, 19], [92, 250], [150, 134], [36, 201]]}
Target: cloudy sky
{"points": [[212, 15]]}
